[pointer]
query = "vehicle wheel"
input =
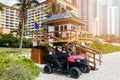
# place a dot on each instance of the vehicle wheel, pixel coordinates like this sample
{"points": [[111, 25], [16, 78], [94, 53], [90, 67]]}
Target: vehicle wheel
{"points": [[75, 72], [85, 69], [48, 69]]}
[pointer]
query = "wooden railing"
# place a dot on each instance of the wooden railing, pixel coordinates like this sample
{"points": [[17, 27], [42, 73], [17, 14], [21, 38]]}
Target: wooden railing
{"points": [[69, 35], [94, 57]]}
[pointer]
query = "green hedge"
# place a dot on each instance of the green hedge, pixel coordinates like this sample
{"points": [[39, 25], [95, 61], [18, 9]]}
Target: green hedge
{"points": [[104, 48], [13, 67], [9, 40]]}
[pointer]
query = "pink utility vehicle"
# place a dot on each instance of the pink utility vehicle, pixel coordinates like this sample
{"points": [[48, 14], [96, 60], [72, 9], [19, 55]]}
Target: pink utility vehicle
{"points": [[66, 61]]}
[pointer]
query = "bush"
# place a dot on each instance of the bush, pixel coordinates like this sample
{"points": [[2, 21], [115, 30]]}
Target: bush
{"points": [[27, 43], [9, 40], [32, 69], [13, 67], [14, 71]]}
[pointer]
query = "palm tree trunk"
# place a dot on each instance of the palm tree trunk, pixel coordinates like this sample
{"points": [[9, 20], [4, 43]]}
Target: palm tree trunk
{"points": [[21, 40]]}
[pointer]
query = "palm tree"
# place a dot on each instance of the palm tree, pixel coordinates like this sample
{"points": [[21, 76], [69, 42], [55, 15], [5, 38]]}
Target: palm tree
{"points": [[53, 9], [24, 5]]}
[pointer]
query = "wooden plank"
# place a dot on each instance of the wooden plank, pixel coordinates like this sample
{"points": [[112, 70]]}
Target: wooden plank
{"points": [[94, 62], [91, 62], [37, 55]]}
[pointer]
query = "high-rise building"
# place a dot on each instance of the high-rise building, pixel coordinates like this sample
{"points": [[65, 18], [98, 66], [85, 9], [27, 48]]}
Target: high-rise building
{"points": [[103, 17], [88, 12], [84, 11], [9, 18], [40, 14], [94, 17], [114, 11], [109, 21], [114, 21], [69, 5], [79, 8]]}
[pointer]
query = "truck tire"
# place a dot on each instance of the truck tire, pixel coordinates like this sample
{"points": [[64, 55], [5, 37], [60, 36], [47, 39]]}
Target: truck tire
{"points": [[48, 69], [75, 72]]}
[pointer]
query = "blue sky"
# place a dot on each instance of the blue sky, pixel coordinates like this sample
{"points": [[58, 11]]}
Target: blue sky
{"points": [[11, 2]]}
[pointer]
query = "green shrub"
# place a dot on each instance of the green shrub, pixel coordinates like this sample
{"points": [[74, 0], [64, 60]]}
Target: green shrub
{"points": [[9, 40], [29, 65], [14, 71], [104, 48], [4, 60], [10, 64]]}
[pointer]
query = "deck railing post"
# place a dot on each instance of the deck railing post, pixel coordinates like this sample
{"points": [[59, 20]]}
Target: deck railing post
{"points": [[99, 58], [94, 58]]}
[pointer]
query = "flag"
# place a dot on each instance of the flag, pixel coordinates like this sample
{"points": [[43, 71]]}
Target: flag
{"points": [[36, 22]]}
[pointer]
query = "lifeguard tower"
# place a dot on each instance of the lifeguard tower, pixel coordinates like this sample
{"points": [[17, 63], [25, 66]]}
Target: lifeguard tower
{"points": [[62, 28]]}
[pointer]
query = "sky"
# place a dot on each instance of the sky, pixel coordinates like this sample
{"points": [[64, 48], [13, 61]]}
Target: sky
{"points": [[8, 2], [11, 2]]}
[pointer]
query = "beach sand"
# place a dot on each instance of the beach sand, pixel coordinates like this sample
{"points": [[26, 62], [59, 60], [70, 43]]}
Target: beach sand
{"points": [[109, 70]]}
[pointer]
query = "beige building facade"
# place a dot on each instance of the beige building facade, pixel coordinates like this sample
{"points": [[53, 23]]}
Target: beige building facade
{"points": [[9, 19], [4, 31]]}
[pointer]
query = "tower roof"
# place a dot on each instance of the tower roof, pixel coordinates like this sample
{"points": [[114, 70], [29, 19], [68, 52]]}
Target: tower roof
{"points": [[64, 18]]}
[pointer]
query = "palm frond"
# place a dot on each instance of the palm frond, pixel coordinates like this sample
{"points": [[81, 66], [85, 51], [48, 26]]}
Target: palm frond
{"points": [[53, 9], [20, 0], [17, 5], [24, 5], [34, 2], [1, 7]]}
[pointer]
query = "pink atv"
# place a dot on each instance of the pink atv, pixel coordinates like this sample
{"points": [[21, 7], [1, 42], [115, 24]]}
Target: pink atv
{"points": [[73, 64]]}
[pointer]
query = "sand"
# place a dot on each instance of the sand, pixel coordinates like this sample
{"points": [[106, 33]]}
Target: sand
{"points": [[109, 70]]}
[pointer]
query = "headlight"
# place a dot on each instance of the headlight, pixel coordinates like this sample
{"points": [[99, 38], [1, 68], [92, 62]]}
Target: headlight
{"points": [[78, 60]]}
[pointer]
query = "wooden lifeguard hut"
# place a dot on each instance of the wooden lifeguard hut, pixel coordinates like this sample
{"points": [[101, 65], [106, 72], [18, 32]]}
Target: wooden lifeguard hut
{"points": [[64, 27]]}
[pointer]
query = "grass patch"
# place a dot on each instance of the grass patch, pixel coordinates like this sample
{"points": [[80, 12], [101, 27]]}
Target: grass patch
{"points": [[15, 50], [104, 48]]}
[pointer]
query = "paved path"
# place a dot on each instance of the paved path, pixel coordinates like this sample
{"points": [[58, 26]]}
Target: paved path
{"points": [[109, 70]]}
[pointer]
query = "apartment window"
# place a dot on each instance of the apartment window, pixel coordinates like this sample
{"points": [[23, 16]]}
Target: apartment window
{"points": [[6, 25], [2, 24], [65, 27], [61, 28]]}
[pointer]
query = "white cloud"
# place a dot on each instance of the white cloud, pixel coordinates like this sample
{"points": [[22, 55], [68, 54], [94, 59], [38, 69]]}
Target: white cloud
{"points": [[11, 2], [3, 1], [8, 2], [41, 0]]}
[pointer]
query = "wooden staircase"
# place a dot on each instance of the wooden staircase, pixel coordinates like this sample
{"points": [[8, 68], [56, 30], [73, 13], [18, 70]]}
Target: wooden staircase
{"points": [[94, 57]]}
